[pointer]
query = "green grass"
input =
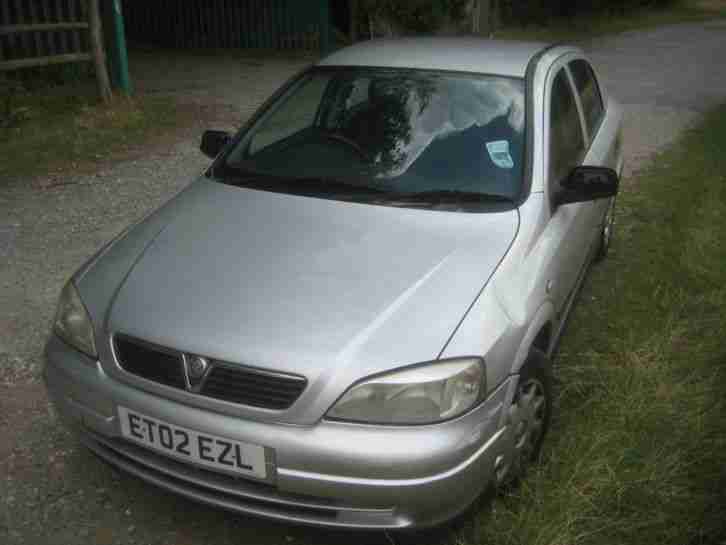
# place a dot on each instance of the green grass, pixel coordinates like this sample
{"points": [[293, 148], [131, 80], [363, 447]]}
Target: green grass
{"points": [[584, 27], [637, 454], [62, 129]]}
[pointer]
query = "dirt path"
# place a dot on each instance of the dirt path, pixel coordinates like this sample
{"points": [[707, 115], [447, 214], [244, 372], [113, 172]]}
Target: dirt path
{"points": [[237, 79], [665, 78], [54, 492]]}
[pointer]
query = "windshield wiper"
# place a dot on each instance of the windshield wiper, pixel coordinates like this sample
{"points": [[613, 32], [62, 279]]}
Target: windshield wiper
{"points": [[236, 176], [311, 183], [327, 186], [333, 185], [312, 186], [450, 195]]}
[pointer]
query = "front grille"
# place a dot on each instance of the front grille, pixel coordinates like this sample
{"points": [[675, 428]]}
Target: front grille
{"points": [[239, 385], [224, 381], [150, 362]]}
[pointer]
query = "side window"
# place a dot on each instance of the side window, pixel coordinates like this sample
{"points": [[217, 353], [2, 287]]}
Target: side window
{"points": [[296, 113], [589, 92], [567, 142]]}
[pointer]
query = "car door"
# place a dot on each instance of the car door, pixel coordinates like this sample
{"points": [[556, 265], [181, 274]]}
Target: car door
{"points": [[569, 224]]}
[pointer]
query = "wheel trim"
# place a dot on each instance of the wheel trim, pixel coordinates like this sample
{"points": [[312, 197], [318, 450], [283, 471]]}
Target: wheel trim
{"points": [[607, 231], [527, 417]]}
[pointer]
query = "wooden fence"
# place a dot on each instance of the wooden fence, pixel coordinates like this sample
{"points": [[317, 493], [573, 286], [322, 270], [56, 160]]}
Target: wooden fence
{"points": [[42, 32], [269, 24]]}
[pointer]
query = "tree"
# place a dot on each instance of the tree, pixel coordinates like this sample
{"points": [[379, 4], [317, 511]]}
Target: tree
{"points": [[353, 14], [484, 19], [390, 17]]}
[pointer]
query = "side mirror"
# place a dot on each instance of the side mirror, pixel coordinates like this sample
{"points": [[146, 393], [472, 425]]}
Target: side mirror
{"points": [[588, 183], [213, 142]]}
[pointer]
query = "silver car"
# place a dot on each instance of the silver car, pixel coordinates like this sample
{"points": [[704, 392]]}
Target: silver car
{"points": [[349, 319]]}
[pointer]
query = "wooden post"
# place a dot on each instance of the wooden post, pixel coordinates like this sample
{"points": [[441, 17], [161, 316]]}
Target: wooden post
{"points": [[324, 40], [483, 17], [99, 55], [59, 16], [474, 10], [493, 15], [353, 7], [76, 14]]}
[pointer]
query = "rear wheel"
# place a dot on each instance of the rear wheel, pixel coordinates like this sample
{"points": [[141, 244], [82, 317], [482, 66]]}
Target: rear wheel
{"points": [[606, 234]]}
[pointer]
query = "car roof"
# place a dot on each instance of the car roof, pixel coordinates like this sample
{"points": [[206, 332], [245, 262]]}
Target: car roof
{"points": [[463, 54]]}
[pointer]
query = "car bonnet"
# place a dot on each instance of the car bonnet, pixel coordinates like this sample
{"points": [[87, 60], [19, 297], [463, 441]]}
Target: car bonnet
{"points": [[330, 290]]}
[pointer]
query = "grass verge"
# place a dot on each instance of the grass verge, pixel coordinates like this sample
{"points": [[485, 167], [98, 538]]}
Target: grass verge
{"points": [[584, 27], [66, 129], [638, 453]]}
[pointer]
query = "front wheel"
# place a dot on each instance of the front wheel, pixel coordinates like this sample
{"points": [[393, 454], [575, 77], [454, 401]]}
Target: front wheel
{"points": [[529, 417]]}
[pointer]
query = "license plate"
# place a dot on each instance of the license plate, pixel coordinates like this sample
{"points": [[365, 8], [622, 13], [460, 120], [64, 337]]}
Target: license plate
{"points": [[204, 449]]}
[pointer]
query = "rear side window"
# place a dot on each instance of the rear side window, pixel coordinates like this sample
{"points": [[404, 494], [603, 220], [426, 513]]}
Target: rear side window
{"points": [[567, 143], [589, 93]]}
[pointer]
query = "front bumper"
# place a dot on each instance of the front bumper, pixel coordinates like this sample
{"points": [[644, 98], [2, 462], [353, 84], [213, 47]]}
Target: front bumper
{"points": [[330, 474]]}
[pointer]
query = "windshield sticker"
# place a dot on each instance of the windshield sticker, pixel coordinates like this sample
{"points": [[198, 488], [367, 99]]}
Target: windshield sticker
{"points": [[499, 153]]}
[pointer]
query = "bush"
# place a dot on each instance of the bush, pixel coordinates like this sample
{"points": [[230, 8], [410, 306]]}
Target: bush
{"points": [[416, 15], [539, 11], [426, 16]]}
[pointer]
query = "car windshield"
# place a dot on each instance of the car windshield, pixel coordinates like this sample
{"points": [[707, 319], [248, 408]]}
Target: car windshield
{"points": [[397, 137]]}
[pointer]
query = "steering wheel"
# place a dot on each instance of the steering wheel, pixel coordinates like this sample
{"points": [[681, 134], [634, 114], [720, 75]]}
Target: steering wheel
{"points": [[337, 137]]}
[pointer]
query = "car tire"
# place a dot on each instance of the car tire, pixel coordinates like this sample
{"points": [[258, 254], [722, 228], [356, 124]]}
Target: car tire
{"points": [[529, 414], [606, 233]]}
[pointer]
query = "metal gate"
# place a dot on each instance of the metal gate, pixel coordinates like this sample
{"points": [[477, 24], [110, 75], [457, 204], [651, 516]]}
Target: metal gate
{"points": [[42, 32], [269, 24]]}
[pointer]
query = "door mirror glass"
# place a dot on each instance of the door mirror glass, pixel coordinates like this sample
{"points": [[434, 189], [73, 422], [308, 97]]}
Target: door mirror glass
{"points": [[213, 142], [588, 183]]}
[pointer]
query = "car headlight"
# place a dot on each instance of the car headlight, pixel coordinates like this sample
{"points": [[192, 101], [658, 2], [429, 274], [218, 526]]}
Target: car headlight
{"points": [[423, 394], [72, 323]]}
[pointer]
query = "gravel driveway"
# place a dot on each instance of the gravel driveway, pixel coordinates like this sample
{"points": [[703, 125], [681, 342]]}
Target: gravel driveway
{"points": [[53, 491]]}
